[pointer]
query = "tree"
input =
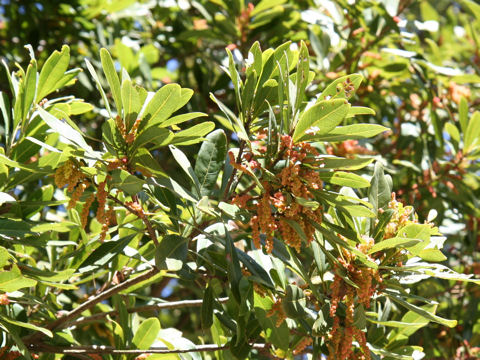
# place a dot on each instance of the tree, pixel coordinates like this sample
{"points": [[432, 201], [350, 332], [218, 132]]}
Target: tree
{"points": [[282, 225]]}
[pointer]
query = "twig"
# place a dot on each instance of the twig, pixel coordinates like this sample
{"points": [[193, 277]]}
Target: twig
{"points": [[92, 302], [145, 220], [160, 306], [100, 349], [234, 172]]}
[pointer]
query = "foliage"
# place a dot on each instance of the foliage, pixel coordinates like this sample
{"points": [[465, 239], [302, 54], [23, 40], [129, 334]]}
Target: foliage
{"points": [[285, 198]]}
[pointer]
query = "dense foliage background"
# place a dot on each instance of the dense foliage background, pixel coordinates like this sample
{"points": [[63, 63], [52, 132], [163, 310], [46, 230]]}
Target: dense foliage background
{"points": [[420, 64]]}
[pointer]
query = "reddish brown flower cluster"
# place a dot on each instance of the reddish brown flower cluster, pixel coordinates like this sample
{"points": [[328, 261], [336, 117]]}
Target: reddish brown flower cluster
{"points": [[282, 204], [136, 208], [306, 341], [400, 218], [130, 136], [5, 354], [4, 300], [277, 309], [347, 148], [256, 287], [367, 280]]}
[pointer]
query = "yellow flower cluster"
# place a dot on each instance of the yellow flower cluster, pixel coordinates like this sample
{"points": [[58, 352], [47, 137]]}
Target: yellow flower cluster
{"points": [[69, 173]]}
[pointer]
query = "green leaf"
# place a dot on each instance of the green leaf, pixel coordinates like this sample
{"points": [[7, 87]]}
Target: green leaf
{"points": [[175, 187], [127, 182], [154, 138], [105, 253], [210, 161], [144, 161], [52, 72], [184, 163], [66, 131], [15, 228], [161, 106], [472, 134], [181, 118], [94, 74], [193, 134], [26, 95], [131, 103], [396, 242], [359, 110], [302, 75], [321, 118], [463, 113], [379, 193], [349, 132], [234, 272], [13, 280], [171, 252], [146, 334], [112, 78], [26, 325], [207, 308], [344, 87], [64, 226], [420, 311], [338, 163], [6, 112], [275, 335], [294, 302], [345, 179]]}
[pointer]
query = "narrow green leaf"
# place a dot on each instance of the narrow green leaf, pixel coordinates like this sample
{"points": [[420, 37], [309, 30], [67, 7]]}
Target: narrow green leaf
{"points": [[26, 95], [345, 179], [112, 78], [105, 253], [395, 242], [422, 312], [472, 134], [207, 308], [193, 134], [181, 118], [52, 72], [131, 103], [184, 163], [94, 74], [463, 114], [26, 325], [154, 138]]}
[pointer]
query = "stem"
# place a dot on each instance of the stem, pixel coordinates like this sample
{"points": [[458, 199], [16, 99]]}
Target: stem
{"points": [[145, 220], [160, 306], [91, 303], [234, 172]]}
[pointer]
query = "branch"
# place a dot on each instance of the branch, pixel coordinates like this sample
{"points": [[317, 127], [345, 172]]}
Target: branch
{"points": [[101, 349], [159, 306], [92, 302]]}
